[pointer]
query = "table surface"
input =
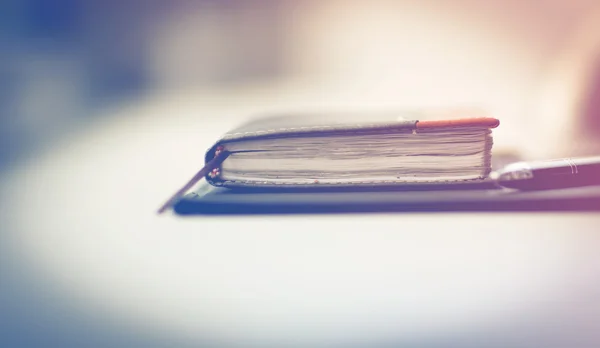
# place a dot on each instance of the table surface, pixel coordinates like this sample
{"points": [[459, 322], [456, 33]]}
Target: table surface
{"points": [[80, 230]]}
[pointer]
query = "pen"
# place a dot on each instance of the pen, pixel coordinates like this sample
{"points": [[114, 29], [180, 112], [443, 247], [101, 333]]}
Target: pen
{"points": [[549, 174]]}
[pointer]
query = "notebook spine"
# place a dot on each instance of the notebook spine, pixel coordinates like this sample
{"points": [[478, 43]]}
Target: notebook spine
{"points": [[215, 173]]}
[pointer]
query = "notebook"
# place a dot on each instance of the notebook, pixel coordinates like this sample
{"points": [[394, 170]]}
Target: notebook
{"points": [[314, 151], [474, 197], [309, 150]]}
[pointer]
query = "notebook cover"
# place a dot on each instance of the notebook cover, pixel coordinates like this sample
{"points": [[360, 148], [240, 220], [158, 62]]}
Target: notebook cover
{"points": [[279, 127], [449, 198]]}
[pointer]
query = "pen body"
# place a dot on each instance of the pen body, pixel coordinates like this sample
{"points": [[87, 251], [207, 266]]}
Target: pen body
{"points": [[551, 174]]}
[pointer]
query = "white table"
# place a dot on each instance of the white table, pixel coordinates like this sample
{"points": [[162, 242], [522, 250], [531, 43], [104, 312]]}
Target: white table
{"points": [[79, 220]]}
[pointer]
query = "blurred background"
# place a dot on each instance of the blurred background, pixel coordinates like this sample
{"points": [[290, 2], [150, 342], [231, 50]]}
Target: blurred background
{"points": [[534, 64], [102, 103]]}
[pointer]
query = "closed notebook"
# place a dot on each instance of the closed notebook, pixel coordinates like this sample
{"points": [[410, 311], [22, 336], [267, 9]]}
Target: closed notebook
{"points": [[324, 150], [353, 150]]}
